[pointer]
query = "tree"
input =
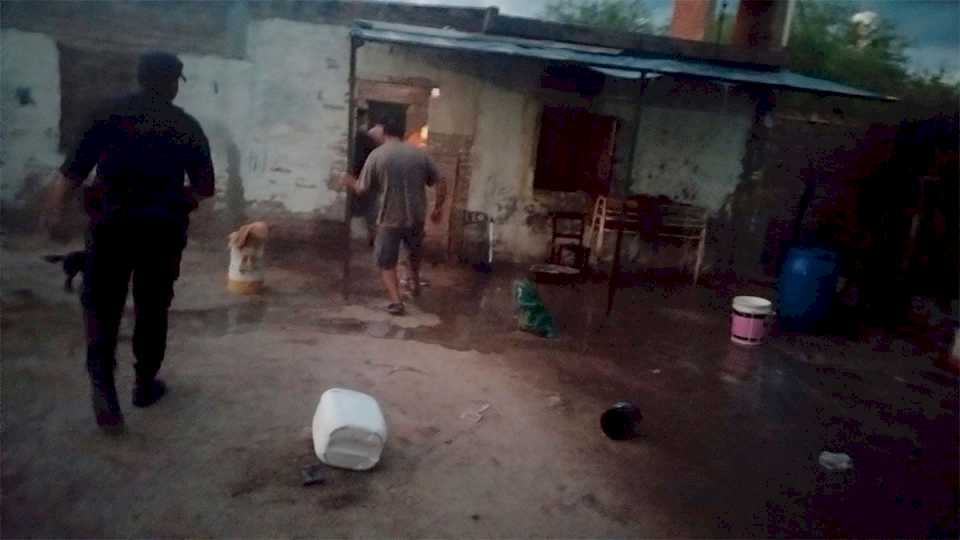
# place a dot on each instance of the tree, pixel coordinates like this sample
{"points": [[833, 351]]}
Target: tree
{"points": [[616, 15], [829, 39]]}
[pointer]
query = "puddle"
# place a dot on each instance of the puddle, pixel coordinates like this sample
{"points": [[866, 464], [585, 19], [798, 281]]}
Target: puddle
{"points": [[414, 318], [249, 317], [223, 320], [374, 329]]}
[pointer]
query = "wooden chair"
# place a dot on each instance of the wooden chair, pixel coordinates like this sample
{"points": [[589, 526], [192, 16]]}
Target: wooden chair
{"points": [[608, 215], [567, 236]]}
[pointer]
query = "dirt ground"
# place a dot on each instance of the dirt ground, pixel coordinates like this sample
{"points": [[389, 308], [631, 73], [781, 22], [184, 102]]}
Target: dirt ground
{"points": [[730, 444]]}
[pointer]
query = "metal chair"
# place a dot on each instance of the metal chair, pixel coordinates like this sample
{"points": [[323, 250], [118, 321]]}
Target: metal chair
{"points": [[688, 224]]}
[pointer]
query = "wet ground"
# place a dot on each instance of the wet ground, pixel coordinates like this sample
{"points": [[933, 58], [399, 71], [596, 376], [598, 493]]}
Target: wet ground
{"points": [[493, 432]]}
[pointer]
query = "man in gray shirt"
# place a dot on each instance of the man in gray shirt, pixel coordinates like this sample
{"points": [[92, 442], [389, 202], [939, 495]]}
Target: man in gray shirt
{"points": [[400, 172]]}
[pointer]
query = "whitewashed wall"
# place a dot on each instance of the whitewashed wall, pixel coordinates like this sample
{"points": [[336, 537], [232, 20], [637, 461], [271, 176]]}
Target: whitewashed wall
{"points": [[218, 93], [30, 132], [691, 141], [297, 144]]}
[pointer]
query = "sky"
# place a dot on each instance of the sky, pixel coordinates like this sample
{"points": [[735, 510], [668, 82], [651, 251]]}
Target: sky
{"points": [[932, 27]]}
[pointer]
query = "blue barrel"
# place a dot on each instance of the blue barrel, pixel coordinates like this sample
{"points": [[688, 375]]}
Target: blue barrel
{"points": [[808, 284]]}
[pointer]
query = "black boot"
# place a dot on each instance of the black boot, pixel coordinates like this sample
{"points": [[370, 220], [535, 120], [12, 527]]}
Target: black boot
{"points": [[146, 394], [106, 406]]}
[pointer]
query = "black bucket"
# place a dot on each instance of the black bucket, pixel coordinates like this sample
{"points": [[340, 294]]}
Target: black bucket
{"points": [[622, 421]]}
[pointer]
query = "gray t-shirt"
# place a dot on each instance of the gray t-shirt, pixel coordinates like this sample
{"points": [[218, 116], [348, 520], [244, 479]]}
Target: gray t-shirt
{"points": [[401, 172]]}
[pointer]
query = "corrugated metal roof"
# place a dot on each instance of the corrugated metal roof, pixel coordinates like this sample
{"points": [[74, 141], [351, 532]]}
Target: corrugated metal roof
{"points": [[611, 62]]}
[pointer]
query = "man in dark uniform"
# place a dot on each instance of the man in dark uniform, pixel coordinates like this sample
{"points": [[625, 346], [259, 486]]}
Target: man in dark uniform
{"points": [[139, 211]]}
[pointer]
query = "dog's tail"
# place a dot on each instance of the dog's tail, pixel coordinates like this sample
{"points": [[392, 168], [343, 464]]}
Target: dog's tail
{"points": [[54, 258]]}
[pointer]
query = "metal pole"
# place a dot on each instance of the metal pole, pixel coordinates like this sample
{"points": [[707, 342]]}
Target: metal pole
{"points": [[615, 269], [721, 20], [351, 151]]}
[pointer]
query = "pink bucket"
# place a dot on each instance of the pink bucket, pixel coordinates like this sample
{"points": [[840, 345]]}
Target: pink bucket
{"points": [[751, 316]]}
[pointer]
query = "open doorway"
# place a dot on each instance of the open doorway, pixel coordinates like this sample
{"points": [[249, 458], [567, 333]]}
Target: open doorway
{"points": [[408, 105], [384, 112]]}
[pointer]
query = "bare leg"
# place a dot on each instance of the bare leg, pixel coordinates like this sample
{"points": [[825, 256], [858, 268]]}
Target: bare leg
{"points": [[370, 220], [414, 262], [392, 283], [414, 242]]}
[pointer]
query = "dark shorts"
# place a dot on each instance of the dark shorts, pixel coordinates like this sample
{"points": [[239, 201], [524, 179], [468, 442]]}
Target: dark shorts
{"points": [[386, 248]]}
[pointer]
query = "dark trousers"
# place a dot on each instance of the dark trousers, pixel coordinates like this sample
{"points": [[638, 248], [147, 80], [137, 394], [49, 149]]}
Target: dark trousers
{"points": [[150, 252]]}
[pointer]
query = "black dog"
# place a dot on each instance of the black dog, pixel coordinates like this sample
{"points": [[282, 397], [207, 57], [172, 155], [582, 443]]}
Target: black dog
{"points": [[73, 263]]}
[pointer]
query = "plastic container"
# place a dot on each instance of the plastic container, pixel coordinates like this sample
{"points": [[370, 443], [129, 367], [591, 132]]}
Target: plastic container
{"points": [[750, 319], [808, 285], [348, 430], [245, 274]]}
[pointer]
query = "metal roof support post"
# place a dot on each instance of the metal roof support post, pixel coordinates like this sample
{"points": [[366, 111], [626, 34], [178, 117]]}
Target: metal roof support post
{"points": [[631, 162], [355, 43]]}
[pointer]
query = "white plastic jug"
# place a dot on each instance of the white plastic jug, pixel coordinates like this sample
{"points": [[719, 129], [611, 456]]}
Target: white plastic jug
{"points": [[348, 430], [245, 274]]}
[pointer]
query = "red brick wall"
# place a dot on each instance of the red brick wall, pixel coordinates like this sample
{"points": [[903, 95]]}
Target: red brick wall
{"points": [[692, 19]]}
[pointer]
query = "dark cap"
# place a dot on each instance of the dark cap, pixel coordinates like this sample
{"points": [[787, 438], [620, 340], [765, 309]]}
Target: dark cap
{"points": [[159, 66]]}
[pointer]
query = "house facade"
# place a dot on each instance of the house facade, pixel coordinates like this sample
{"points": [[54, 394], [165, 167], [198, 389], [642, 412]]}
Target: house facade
{"points": [[271, 85]]}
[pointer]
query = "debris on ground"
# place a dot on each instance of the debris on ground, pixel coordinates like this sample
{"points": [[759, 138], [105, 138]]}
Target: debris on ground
{"points": [[399, 369], [313, 474], [835, 461], [655, 371], [554, 401], [476, 415], [622, 421], [532, 314]]}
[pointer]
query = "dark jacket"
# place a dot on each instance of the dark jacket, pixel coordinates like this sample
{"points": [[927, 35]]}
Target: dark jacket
{"points": [[142, 147]]}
